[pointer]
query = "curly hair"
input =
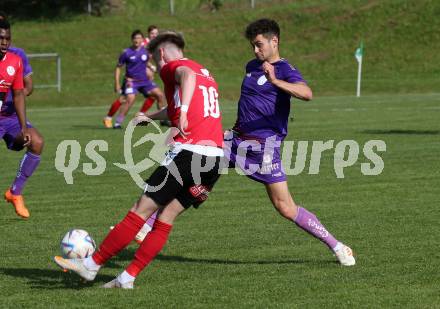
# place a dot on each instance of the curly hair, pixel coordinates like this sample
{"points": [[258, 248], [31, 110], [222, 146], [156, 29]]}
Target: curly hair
{"points": [[135, 33], [265, 26]]}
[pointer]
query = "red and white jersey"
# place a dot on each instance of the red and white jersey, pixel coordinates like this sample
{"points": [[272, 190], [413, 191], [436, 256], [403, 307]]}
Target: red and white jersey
{"points": [[204, 117], [11, 74], [145, 42]]}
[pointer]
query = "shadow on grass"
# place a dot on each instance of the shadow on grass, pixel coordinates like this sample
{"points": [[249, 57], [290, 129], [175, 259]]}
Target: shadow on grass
{"points": [[182, 259], [128, 254], [51, 279], [90, 126], [402, 132]]}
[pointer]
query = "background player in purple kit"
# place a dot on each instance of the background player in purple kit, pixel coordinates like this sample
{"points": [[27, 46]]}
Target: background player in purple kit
{"points": [[11, 132], [261, 126], [135, 60]]}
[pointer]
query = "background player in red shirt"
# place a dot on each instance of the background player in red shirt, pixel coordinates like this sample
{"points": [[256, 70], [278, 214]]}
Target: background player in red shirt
{"points": [[187, 174], [14, 129]]}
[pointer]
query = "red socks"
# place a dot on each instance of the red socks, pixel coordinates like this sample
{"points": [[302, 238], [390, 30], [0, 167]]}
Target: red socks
{"points": [[118, 238], [147, 104], [150, 247], [114, 108]]}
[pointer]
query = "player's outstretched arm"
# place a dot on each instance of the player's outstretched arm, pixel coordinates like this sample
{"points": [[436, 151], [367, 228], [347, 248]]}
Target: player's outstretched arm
{"points": [[159, 115], [20, 109], [298, 90]]}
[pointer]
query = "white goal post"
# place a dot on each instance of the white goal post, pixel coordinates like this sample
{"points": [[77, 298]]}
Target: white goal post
{"points": [[58, 69]]}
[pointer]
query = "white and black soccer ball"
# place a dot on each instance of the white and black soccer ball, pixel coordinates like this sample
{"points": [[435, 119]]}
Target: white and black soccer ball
{"points": [[77, 244]]}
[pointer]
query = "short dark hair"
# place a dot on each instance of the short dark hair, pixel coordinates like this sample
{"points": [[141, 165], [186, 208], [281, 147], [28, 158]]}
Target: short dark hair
{"points": [[151, 28], [166, 37], [265, 26], [135, 33], [4, 24]]}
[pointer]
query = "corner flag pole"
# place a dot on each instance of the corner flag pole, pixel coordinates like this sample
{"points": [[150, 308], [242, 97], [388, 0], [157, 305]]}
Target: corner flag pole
{"points": [[359, 55]]}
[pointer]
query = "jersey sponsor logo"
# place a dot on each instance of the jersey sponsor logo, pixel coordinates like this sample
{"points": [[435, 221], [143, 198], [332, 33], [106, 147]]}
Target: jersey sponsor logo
{"points": [[133, 57], [10, 70], [262, 80], [144, 57], [4, 84]]}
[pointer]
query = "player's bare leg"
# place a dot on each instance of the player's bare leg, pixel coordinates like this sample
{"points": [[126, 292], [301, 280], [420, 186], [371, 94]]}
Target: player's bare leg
{"points": [[124, 110], [28, 164], [283, 202], [108, 123], [150, 247], [160, 98]]}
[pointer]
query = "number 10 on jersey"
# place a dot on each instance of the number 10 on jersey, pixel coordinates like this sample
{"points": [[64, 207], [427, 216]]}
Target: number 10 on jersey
{"points": [[210, 102]]}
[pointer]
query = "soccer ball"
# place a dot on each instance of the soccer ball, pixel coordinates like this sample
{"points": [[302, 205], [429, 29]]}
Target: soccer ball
{"points": [[77, 244]]}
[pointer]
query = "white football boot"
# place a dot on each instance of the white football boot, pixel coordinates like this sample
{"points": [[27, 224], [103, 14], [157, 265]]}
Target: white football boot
{"points": [[115, 284], [77, 266], [344, 254]]}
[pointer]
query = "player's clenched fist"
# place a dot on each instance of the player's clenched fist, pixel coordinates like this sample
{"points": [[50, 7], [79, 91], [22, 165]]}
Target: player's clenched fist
{"points": [[269, 71]]}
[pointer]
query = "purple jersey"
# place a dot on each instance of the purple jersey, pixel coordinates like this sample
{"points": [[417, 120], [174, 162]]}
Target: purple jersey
{"points": [[8, 108], [263, 109], [135, 62]]}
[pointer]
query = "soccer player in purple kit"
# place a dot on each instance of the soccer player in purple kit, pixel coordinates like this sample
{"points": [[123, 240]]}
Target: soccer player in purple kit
{"points": [[11, 130], [261, 126], [135, 60]]}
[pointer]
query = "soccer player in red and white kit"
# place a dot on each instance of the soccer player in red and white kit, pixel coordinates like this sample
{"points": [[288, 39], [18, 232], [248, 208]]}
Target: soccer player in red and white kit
{"points": [[14, 129], [186, 176]]}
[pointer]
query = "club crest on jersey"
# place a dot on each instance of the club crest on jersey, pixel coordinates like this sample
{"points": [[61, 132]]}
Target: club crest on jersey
{"points": [[248, 75], [262, 80], [10, 70], [144, 57]]}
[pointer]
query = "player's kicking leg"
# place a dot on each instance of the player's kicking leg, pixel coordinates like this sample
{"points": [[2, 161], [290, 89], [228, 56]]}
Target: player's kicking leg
{"points": [[28, 164], [116, 240], [282, 200], [146, 228], [150, 247]]}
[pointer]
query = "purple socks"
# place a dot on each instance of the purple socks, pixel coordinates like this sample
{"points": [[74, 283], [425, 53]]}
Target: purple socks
{"points": [[28, 165], [120, 119], [309, 223]]}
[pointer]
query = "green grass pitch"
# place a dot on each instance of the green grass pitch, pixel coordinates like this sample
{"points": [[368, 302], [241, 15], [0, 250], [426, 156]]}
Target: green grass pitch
{"points": [[235, 251]]}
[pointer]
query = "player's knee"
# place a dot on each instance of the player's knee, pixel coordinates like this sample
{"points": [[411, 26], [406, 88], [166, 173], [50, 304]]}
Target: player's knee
{"points": [[144, 207], [285, 207], [37, 143]]}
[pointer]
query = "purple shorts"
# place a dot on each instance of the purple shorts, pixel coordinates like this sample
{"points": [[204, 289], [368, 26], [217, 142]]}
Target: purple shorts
{"points": [[9, 129], [135, 87], [257, 159]]}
